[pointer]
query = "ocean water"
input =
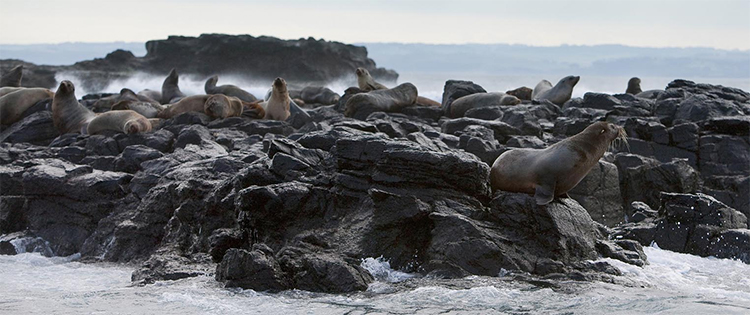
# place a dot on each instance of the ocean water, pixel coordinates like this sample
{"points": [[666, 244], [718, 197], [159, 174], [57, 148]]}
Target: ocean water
{"points": [[672, 283], [429, 85]]}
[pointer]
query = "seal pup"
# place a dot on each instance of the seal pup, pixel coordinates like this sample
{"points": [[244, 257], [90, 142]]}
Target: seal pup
{"points": [[170, 91], [148, 110], [278, 105], [13, 105], [13, 77], [382, 100], [227, 89], [125, 121], [555, 170], [634, 86], [68, 115], [559, 94], [460, 106]]}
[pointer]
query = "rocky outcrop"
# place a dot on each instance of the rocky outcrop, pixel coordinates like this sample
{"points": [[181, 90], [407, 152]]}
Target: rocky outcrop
{"points": [[302, 61]]}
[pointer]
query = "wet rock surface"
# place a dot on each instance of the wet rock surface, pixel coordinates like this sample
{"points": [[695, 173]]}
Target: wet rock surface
{"points": [[269, 205]]}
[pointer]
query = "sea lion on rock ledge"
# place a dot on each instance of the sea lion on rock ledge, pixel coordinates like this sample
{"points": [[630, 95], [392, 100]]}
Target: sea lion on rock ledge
{"points": [[366, 83], [382, 100], [170, 91], [476, 100], [227, 89], [68, 115], [13, 77], [125, 121], [277, 106], [634, 86], [13, 105], [559, 94], [555, 170]]}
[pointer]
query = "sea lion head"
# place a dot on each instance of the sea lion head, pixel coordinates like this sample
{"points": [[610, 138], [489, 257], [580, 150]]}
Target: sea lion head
{"points": [[172, 77], [362, 72], [570, 80], [634, 81], [66, 87], [605, 132], [121, 105], [212, 80], [279, 85], [217, 106], [137, 125]]}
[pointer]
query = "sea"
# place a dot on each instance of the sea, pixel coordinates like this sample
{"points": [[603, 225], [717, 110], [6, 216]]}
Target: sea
{"points": [[672, 283]]}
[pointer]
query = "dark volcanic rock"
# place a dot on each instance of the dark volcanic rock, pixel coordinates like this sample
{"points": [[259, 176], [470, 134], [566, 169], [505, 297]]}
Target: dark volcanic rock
{"points": [[599, 194], [646, 183], [37, 128], [454, 89]]}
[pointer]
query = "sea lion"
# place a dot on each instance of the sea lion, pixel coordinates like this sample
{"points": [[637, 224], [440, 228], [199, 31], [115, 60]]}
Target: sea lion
{"points": [[222, 106], [560, 93], [523, 93], [194, 103], [461, 105], [170, 91], [125, 95], [634, 86], [278, 105], [68, 115], [555, 170], [125, 121], [382, 100], [13, 105], [366, 82], [228, 90], [154, 95], [13, 77], [423, 101], [540, 87], [253, 110], [148, 110], [319, 95], [9, 89]]}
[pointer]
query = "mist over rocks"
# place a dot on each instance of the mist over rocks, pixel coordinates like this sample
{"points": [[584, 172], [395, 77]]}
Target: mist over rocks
{"points": [[263, 58], [298, 204]]}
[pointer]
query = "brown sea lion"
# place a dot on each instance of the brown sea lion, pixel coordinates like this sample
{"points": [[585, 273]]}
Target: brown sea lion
{"points": [[9, 89], [423, 101], [318, 95], [221, 106], [523, 93], [170, 91], [228, 90], [194, 103], [68, 115], [540, 87], [154, 95], [634, 86], [277, 106], [366, 82], [13, 105], [125, 95], [560, 93], [125, 121], [387, 100], [253, 110], [460, 106], [13, 77], [148, 110], [555, 170]]}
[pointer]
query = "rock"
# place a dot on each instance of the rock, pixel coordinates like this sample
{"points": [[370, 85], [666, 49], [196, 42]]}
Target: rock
{"points": [[595, 100], [599, 193], [502, 131], [132, 157], [684, 136], [729, 190], [701, 107], [732, 125], [256, 270], [454, 89], [36, 128], [646, 183], [222, 240], [616, 251], [724, 155]]}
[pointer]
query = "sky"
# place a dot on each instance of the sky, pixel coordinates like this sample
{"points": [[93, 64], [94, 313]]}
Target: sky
{"points": [[722, 24]]}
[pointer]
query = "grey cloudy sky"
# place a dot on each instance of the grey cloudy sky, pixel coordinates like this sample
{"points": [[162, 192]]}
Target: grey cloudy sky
{"points": [[721, 24]]}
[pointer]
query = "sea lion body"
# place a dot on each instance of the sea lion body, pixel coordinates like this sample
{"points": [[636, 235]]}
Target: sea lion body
{"points": [[151, 94], [13, 77], [68, 115], [9, 89], [278, 105], [540, 87], [13, 105], [634, 86], [228, 90], [423, 101], [387, 100], [461, 105], [555, 170], [194, 103], [170, 91], [148, 110], [125, 121], [366, 82], [319, 95], [558, 94]]}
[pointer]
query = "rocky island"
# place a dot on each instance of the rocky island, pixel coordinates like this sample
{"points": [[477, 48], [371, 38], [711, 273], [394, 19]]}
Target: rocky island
{"points": [[276, 205]]}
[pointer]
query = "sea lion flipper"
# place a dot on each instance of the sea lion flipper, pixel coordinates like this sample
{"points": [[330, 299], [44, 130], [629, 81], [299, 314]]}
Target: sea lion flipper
{"points": [[544, 193]]}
